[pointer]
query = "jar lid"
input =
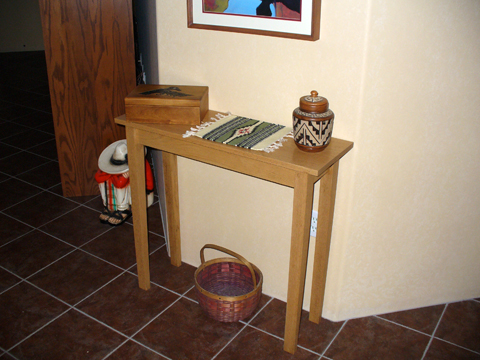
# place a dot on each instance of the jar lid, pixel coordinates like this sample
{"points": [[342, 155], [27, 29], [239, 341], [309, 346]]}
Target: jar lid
{"points": [[313, 103]]}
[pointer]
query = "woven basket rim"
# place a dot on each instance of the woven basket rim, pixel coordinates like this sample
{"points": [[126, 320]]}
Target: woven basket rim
{"points": [[228, 298]]}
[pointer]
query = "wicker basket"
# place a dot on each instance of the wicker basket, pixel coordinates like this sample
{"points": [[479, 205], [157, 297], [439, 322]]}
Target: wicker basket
{"points": [[228, 289]]}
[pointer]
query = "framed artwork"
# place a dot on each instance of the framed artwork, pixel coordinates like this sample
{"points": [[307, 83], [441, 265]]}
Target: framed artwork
{"points": [[297, 19]]}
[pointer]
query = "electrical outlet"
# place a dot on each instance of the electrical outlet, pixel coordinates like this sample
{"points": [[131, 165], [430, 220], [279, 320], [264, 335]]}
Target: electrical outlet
{"points": [[313, 225]]}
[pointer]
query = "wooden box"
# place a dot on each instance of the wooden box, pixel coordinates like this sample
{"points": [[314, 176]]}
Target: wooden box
{"points": [[167, 104]]}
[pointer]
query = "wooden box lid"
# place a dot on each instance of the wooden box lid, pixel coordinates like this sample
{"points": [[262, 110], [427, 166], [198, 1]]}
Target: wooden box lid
{"points": [[167, 95]]}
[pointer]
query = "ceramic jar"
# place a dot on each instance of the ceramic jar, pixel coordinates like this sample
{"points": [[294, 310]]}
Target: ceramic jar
{"points": [[312, 123]]}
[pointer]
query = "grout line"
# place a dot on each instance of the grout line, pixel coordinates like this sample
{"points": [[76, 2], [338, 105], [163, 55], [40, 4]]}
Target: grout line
{"points": [[11, 287], [282, 339], [258, 312], [246, 324], [36, 186], [155, 317], [46, 324], [401, 325], [40, 328], [230, 341], [18, 237], [336, 335], [50, 264], [434, 331], [29, 183], [75, 248], [27, 107], [70, 307], [456, 345], [29, 198], [130, 338], [29, 152], [137, 342]]}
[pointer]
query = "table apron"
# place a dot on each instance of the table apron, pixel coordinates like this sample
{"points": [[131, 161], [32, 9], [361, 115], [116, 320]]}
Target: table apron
{"points": [[256, 168]]}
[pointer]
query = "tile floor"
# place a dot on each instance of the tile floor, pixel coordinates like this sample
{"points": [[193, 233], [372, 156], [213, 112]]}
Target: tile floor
{"points": [[68, 286]]}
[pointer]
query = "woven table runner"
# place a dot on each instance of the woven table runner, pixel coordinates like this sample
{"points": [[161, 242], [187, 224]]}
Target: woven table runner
{"points": [[242, 132]]}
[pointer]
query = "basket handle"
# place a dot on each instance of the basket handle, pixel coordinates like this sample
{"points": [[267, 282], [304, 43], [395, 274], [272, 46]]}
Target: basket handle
{"points": [[231, 253]]}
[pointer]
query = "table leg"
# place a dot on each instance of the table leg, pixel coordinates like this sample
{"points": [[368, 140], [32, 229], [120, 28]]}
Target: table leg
{"points": [[302, 214], [326, 205], [136, 164], [170, 171]]}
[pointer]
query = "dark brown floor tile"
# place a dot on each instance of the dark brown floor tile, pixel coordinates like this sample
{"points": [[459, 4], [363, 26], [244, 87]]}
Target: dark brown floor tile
{"points": [[4, 177], [3, 104], [7, 280], [81, 199], [6, 356], [49, 128], [57, 189], [183, 331], [24, 310], [13, 112], [42, 89], [14, 191], [75, 276], [32, 252], [41, 209], [424, 319], [255, 344], [441, 350], [154, 219], [35, 119], [461, 325], [96, 203], [118, 245], [42, 103], [374, 338], [132, 351], [28, 139], [48, 149], [162, 272], [315, 337], [124, 306], [153, 213], [76, 227], [191, 294], [75, 337], [7, 150], [23, 98], [10, 229], [10, 128], [20, 162], [44, 176]]}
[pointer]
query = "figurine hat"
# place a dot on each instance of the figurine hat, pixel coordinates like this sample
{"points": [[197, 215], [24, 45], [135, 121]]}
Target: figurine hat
{"points": [[114, 159]]}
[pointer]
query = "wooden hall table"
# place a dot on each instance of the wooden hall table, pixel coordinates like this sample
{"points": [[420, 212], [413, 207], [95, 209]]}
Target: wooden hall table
{"points": [[287, 166]]}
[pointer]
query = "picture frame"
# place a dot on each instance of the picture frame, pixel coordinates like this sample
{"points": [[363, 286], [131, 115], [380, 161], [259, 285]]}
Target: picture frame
{"points": [[302, 25]]}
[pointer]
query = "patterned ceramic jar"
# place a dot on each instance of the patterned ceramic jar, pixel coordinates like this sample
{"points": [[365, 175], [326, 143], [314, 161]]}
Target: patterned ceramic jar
{"points": [[312, 123]]}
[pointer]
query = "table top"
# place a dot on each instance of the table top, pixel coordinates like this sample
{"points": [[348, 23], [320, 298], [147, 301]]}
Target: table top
{"points": [[288, 156]]}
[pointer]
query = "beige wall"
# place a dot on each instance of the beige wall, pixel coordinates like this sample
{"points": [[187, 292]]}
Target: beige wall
{"points": [[403, 79]]}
